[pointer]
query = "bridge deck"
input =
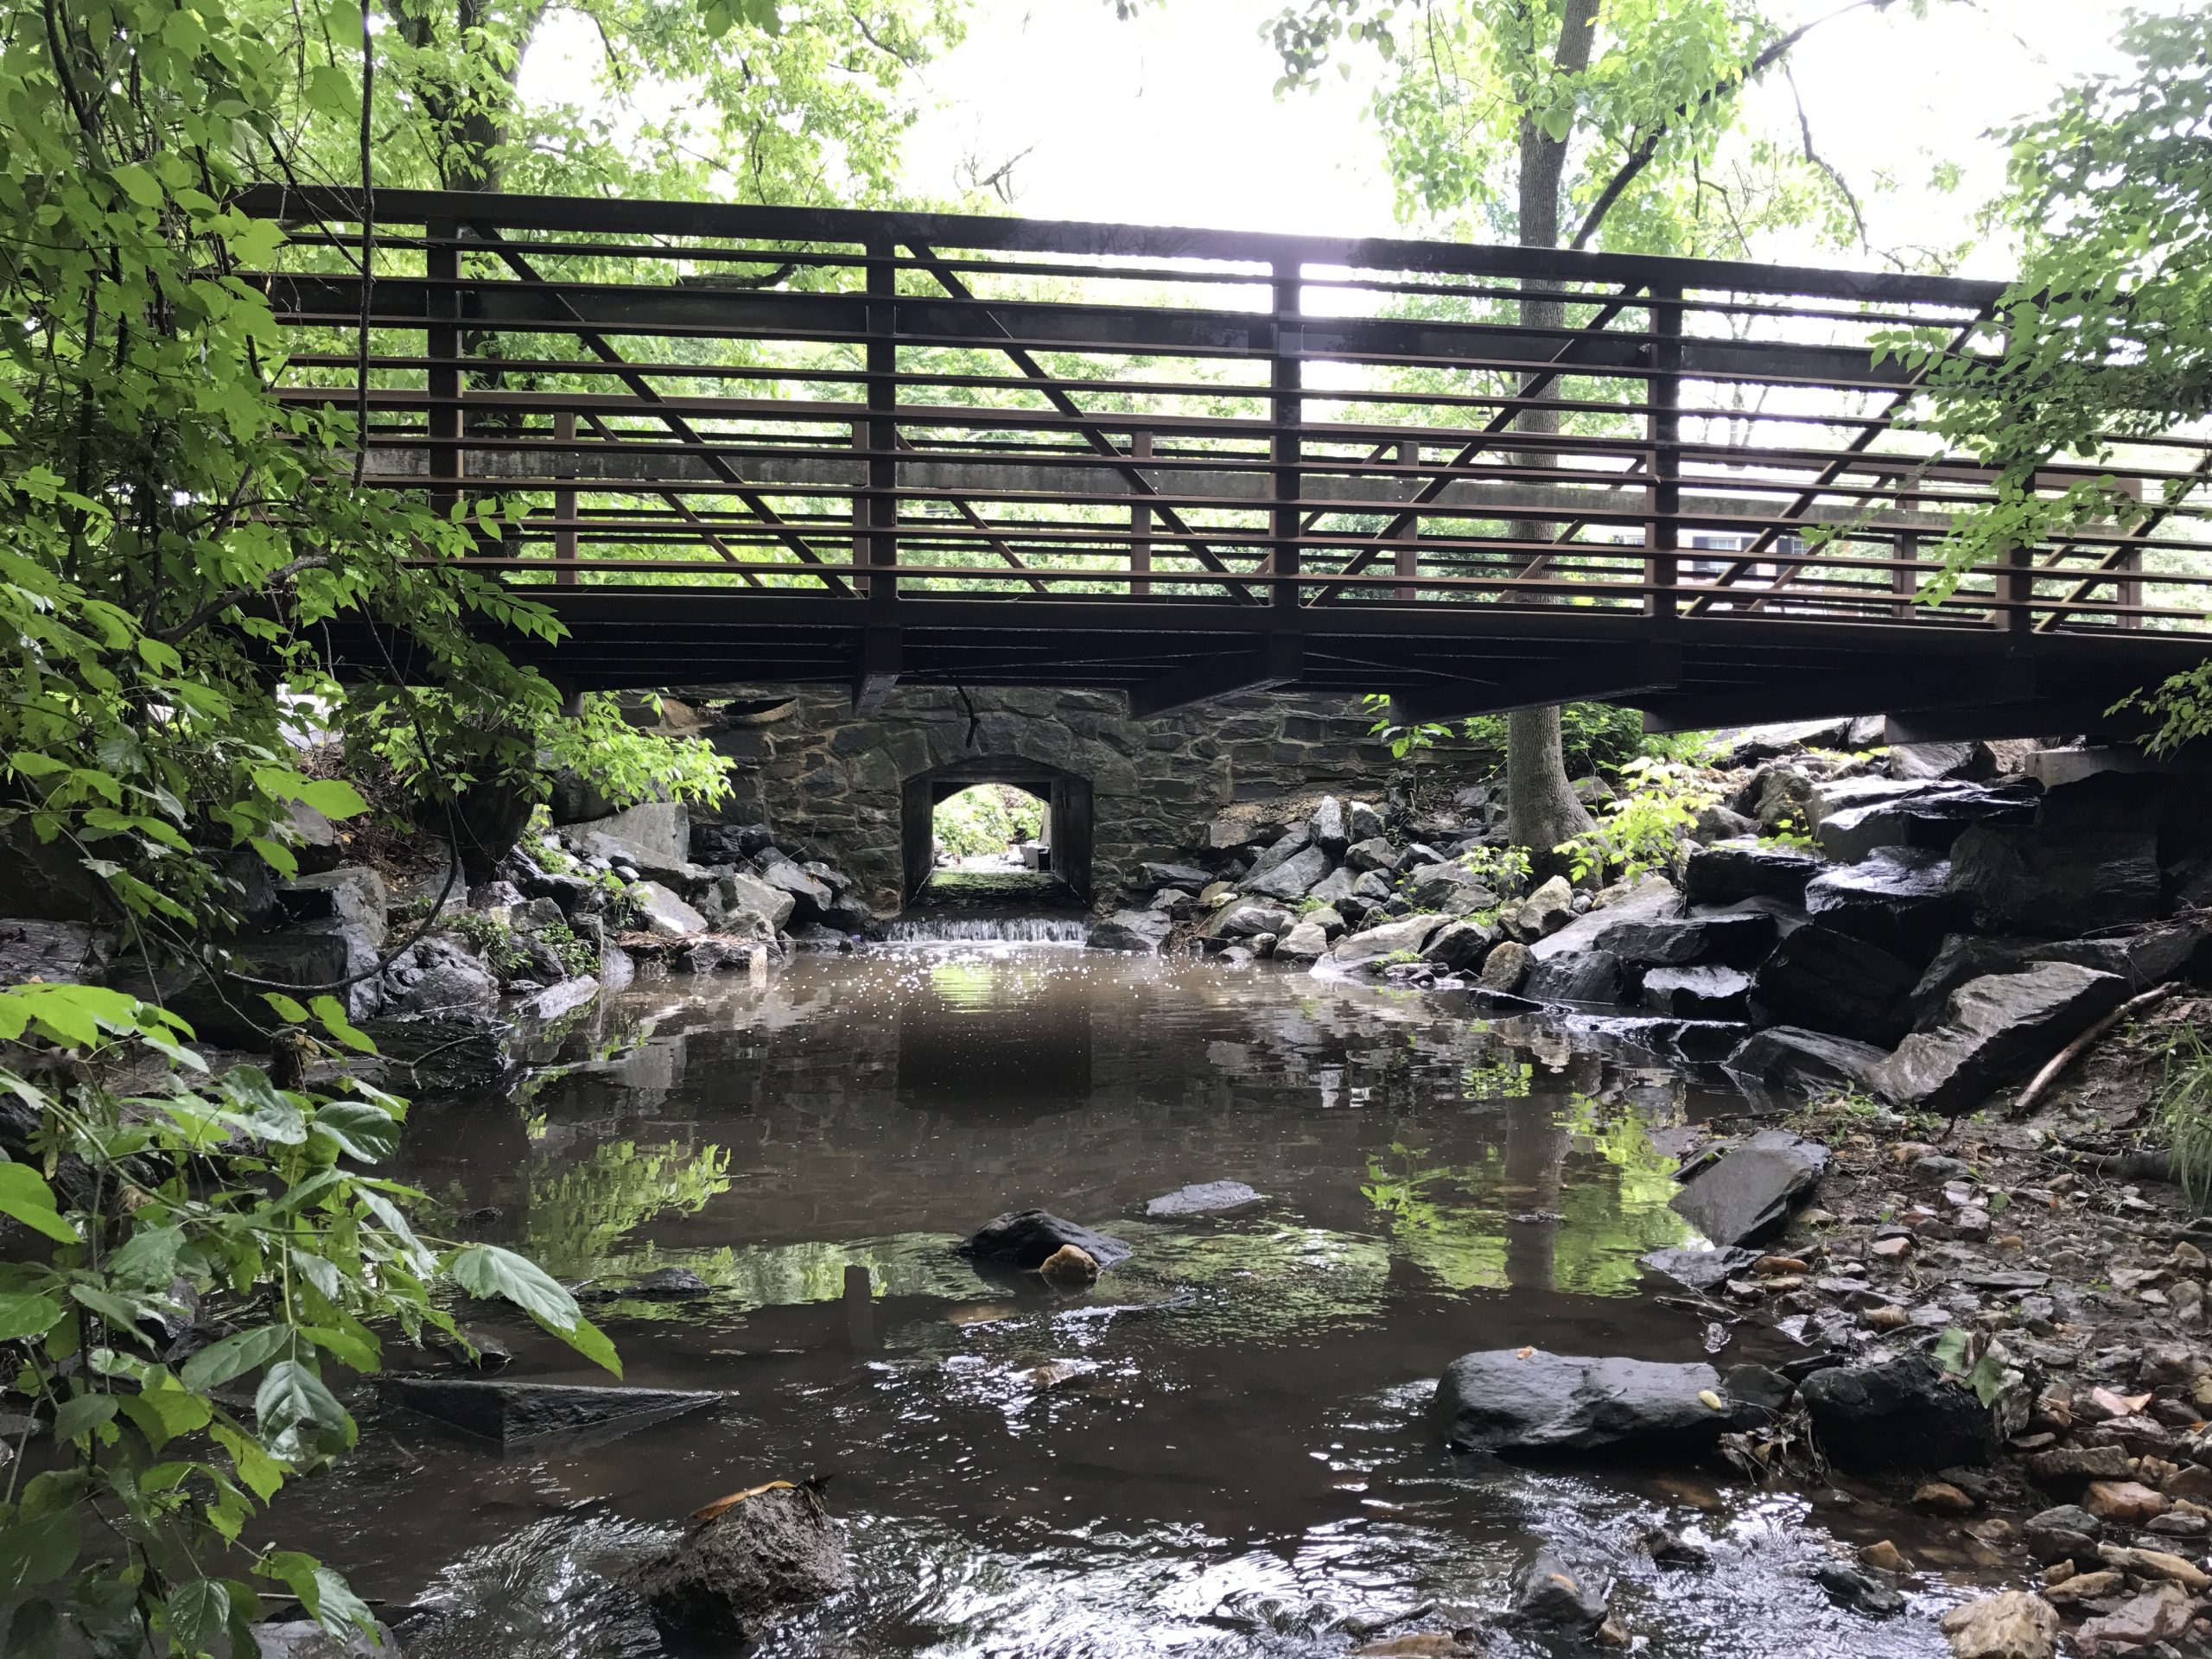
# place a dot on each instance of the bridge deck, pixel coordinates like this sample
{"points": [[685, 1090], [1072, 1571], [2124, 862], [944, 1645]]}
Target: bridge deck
{"points": [[750, 444]]}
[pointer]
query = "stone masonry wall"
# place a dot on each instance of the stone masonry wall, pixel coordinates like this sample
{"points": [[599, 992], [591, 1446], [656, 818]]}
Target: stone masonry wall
{"points": [[830, 782]]}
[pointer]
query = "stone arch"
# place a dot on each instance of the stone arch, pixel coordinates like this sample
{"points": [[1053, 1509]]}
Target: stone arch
{"points": [[1068, 795]]}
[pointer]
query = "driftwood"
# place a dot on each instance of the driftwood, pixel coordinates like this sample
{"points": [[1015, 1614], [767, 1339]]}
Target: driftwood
{"points": [[2081, 1045]]}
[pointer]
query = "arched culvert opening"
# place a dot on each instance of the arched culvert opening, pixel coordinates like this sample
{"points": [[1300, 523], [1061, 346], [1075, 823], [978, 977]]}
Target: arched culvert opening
{"points": [[1004, 830]]}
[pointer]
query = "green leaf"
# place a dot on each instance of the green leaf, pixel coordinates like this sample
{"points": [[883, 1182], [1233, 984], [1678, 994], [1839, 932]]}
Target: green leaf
{"points": [[299, 1419], [25, 1195], [162, 1415], [487, 1270], [286, 1009], [27, 1315], [279, 858], [80, 1414], [337, 1607], [261, 1108], [234, 1357], [331, 1013], [198, 1613], [37, 1551], [332, 797], [363, 1131], [140, 186], [34, 1633]]}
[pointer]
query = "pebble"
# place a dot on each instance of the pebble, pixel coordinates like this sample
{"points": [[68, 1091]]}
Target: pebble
{"points": [[1890, 1249], [2084, 1587], [1888, 1317], [1884, 1557]]}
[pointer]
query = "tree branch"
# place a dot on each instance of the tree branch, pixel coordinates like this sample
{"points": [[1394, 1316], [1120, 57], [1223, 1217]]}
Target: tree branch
{"points": [[1646, 148], [222, 602]]}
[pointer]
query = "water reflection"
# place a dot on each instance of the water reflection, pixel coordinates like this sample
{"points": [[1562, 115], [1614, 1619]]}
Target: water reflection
{"points": [[1219, 1448]]}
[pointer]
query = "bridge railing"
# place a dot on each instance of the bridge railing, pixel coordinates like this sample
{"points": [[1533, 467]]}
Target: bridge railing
{"points": [[870, 405]]}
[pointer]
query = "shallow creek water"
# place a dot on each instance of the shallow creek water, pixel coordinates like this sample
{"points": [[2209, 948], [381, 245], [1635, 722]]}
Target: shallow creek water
{"points": [[1223, 1448]]}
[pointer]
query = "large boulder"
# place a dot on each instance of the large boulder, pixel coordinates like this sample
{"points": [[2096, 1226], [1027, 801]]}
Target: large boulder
{"points": [[439, 976], [1453, 889], [1745, 1196], [1544, 913], [1307, 941], [2032, 879], [1704, 991], [1173, 875], [1281, 850], [2012, 1624], [1859, 815], [339, 951], [1245, 919], [350, 894], [1143, 932], [1651, 900], [1897, 1412], [2148, 956], [1828, 980], [811, 896], [742, 890], [1330, 828], [1457, 945], [46, 881], [1730, 870], [1792, 1056], [1527, 1401], [1505, 967], [1364, 950], [515, 1414], [1556, 1598], [771, 1550], [75, 951], [1589, 976], [442, 1055], [659, 832], [1740, 940], [1293, 878], [1025, 1239], [1373, 853], [661, 911], [1898, 898], [1996, 1030]]}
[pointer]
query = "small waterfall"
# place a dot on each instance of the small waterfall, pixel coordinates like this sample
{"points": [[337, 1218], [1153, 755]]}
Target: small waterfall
{"points": [[996, 930]]}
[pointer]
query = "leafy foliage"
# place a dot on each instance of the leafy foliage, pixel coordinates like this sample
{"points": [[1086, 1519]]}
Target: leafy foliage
{"points": [[1644, 828], [218, 1196], [987, 818]]}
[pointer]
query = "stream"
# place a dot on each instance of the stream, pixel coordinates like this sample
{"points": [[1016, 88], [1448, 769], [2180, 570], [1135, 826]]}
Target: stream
{"points": [[1222, 1448]]}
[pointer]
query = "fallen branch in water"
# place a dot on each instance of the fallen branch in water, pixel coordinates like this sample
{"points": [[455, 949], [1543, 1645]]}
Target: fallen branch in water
{"points": [[2075, 1050]]}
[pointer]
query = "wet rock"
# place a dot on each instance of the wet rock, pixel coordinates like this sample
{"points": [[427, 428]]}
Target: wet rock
{"points": [[1746, 1196], [1025, 1239], [1505, 967], [1363, 822], [1897, 1412], [726, 1581], [1553, 1595], [1792, 1055], [439, 1055], [1533, 1402], [2157, 1564], [659, 911], [712, 954], [1292, 878], [2028, 879], [668, 1284], [1718, 823], [656, 832], [1371, 945], [1202, 1198], [1729, 871], [439, 976], [47, 881], [1459, 945], [515, 1413], [564, 997], [1859, 817], [1653, 900], [1701, 1270], [1737, 941], [1884, 1557], [1667, 1548], [2144, 957], [1143, 932], [1896, 899], [73, 951], [1698, 992], [1173, 875], [1070, 1265], [742, 890], [1997, 1030], [2127, 1501], [1934, 759], [2069, 1470], [1757, 743], [302, 1638], [2013, 1625], [1329, 827], [1859, 1590], [1592, 976], [1827, 981], [1307, 942], [1246, 919], [2161, 1614], [350, 894], [1942, 1497]]}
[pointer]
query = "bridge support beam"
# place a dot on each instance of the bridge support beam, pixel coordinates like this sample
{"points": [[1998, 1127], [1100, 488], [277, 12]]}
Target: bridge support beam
{"points": [[1278, 662], [1973, 687], [1630, 671], [882, 659]]}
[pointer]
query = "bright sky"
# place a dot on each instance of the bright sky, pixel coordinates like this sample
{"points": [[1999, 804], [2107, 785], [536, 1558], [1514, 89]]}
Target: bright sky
{"points": [[1172, 118]]}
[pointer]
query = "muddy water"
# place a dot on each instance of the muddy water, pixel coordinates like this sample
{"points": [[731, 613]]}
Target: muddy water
{"points": [[1221, 1449]]}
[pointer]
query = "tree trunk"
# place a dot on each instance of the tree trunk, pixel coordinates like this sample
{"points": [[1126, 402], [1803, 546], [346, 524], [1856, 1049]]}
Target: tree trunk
{"points": [[1541, 810]]}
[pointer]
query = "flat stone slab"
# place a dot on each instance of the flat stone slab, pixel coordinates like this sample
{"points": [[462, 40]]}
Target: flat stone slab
{"points": [[522, 1413], [1202, 1198], [1699, 1270], [1524, 1400], [1746, 1195]]}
